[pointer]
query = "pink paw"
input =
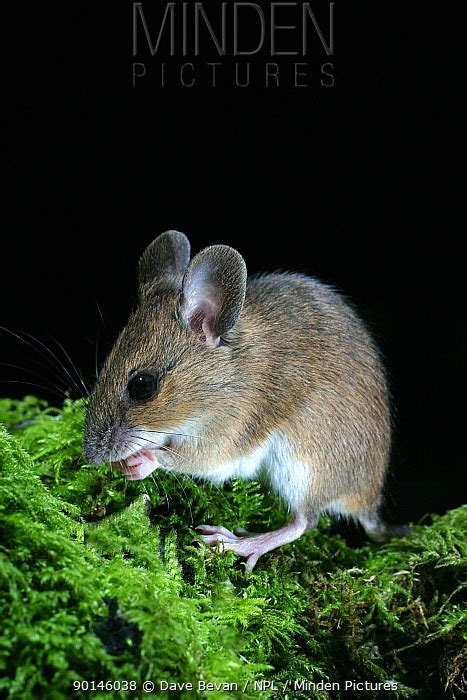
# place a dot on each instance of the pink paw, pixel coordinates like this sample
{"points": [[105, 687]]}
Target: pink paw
{"points": [[253, 545], [242, 545]]}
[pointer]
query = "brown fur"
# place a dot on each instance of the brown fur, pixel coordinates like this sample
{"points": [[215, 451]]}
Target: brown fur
{"points": [[298, 361]]}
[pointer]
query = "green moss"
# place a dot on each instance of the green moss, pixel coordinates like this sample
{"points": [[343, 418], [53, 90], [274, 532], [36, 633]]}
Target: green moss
{"points": [[101, 579]]}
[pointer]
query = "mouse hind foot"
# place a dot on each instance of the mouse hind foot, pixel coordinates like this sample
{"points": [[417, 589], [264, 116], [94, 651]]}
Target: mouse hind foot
{"points": [[253, 545]]}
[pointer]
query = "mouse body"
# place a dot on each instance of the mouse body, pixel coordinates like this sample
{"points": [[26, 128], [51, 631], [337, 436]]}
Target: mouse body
{"points": [[273, 377]]}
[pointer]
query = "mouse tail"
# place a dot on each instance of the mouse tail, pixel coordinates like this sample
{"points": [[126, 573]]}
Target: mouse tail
{"points": [[378, 530]]}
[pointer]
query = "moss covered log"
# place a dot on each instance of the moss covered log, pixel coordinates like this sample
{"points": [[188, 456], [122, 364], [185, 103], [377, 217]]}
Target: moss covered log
{"points": [[102, 579]]}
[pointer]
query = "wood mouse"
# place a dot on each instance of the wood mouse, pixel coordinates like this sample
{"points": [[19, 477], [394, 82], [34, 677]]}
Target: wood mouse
{"points": [[219, 376]]}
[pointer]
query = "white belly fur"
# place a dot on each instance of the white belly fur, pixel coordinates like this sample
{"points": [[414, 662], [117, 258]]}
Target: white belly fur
{"points": [[287, 477]]}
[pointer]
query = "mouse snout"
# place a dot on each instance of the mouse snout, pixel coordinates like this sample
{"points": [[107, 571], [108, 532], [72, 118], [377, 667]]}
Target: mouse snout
{"points": [[105, 443], [90, 449]]}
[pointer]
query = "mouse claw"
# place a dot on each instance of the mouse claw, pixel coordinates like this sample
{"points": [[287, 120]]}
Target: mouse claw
{"points": [[228, 541], [212, 539], [214, 530], [252, 546], [216, 534]]}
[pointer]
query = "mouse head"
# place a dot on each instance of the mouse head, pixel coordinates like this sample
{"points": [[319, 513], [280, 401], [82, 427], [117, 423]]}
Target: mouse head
{"points": [[169, 369]]}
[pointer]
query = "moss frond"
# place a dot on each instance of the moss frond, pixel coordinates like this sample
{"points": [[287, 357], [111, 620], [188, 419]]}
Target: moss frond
{"points": [[102, 578]]}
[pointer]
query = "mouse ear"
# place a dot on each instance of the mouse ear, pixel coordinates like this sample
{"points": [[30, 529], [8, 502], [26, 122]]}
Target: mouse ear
{"points": [[213, 292], [164, 262]]}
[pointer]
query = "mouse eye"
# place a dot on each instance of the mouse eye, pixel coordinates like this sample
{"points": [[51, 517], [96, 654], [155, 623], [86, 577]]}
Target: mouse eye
{"points": [[143, 386]]}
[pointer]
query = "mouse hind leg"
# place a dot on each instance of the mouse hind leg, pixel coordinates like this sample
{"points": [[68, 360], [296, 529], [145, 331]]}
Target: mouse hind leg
{"points": [[253, 545]]}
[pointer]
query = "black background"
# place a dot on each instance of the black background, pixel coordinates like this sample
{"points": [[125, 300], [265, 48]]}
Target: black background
{"points": [[358, 184]]}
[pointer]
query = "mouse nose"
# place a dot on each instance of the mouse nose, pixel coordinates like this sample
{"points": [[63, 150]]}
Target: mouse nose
{"points": [[102, 443], [90, 450], [96, 443]]}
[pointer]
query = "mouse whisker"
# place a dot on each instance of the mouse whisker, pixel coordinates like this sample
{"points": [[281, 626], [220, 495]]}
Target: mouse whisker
{"points": [[103, 323], [177, 476], [187, 500], [55, 361], [41, 365], [97, 354], [56, 364], [166, 432], [60, 390], [223, 496], [73, 366], [35, 384], [177, 455], [168, 449], [160, 484]]}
